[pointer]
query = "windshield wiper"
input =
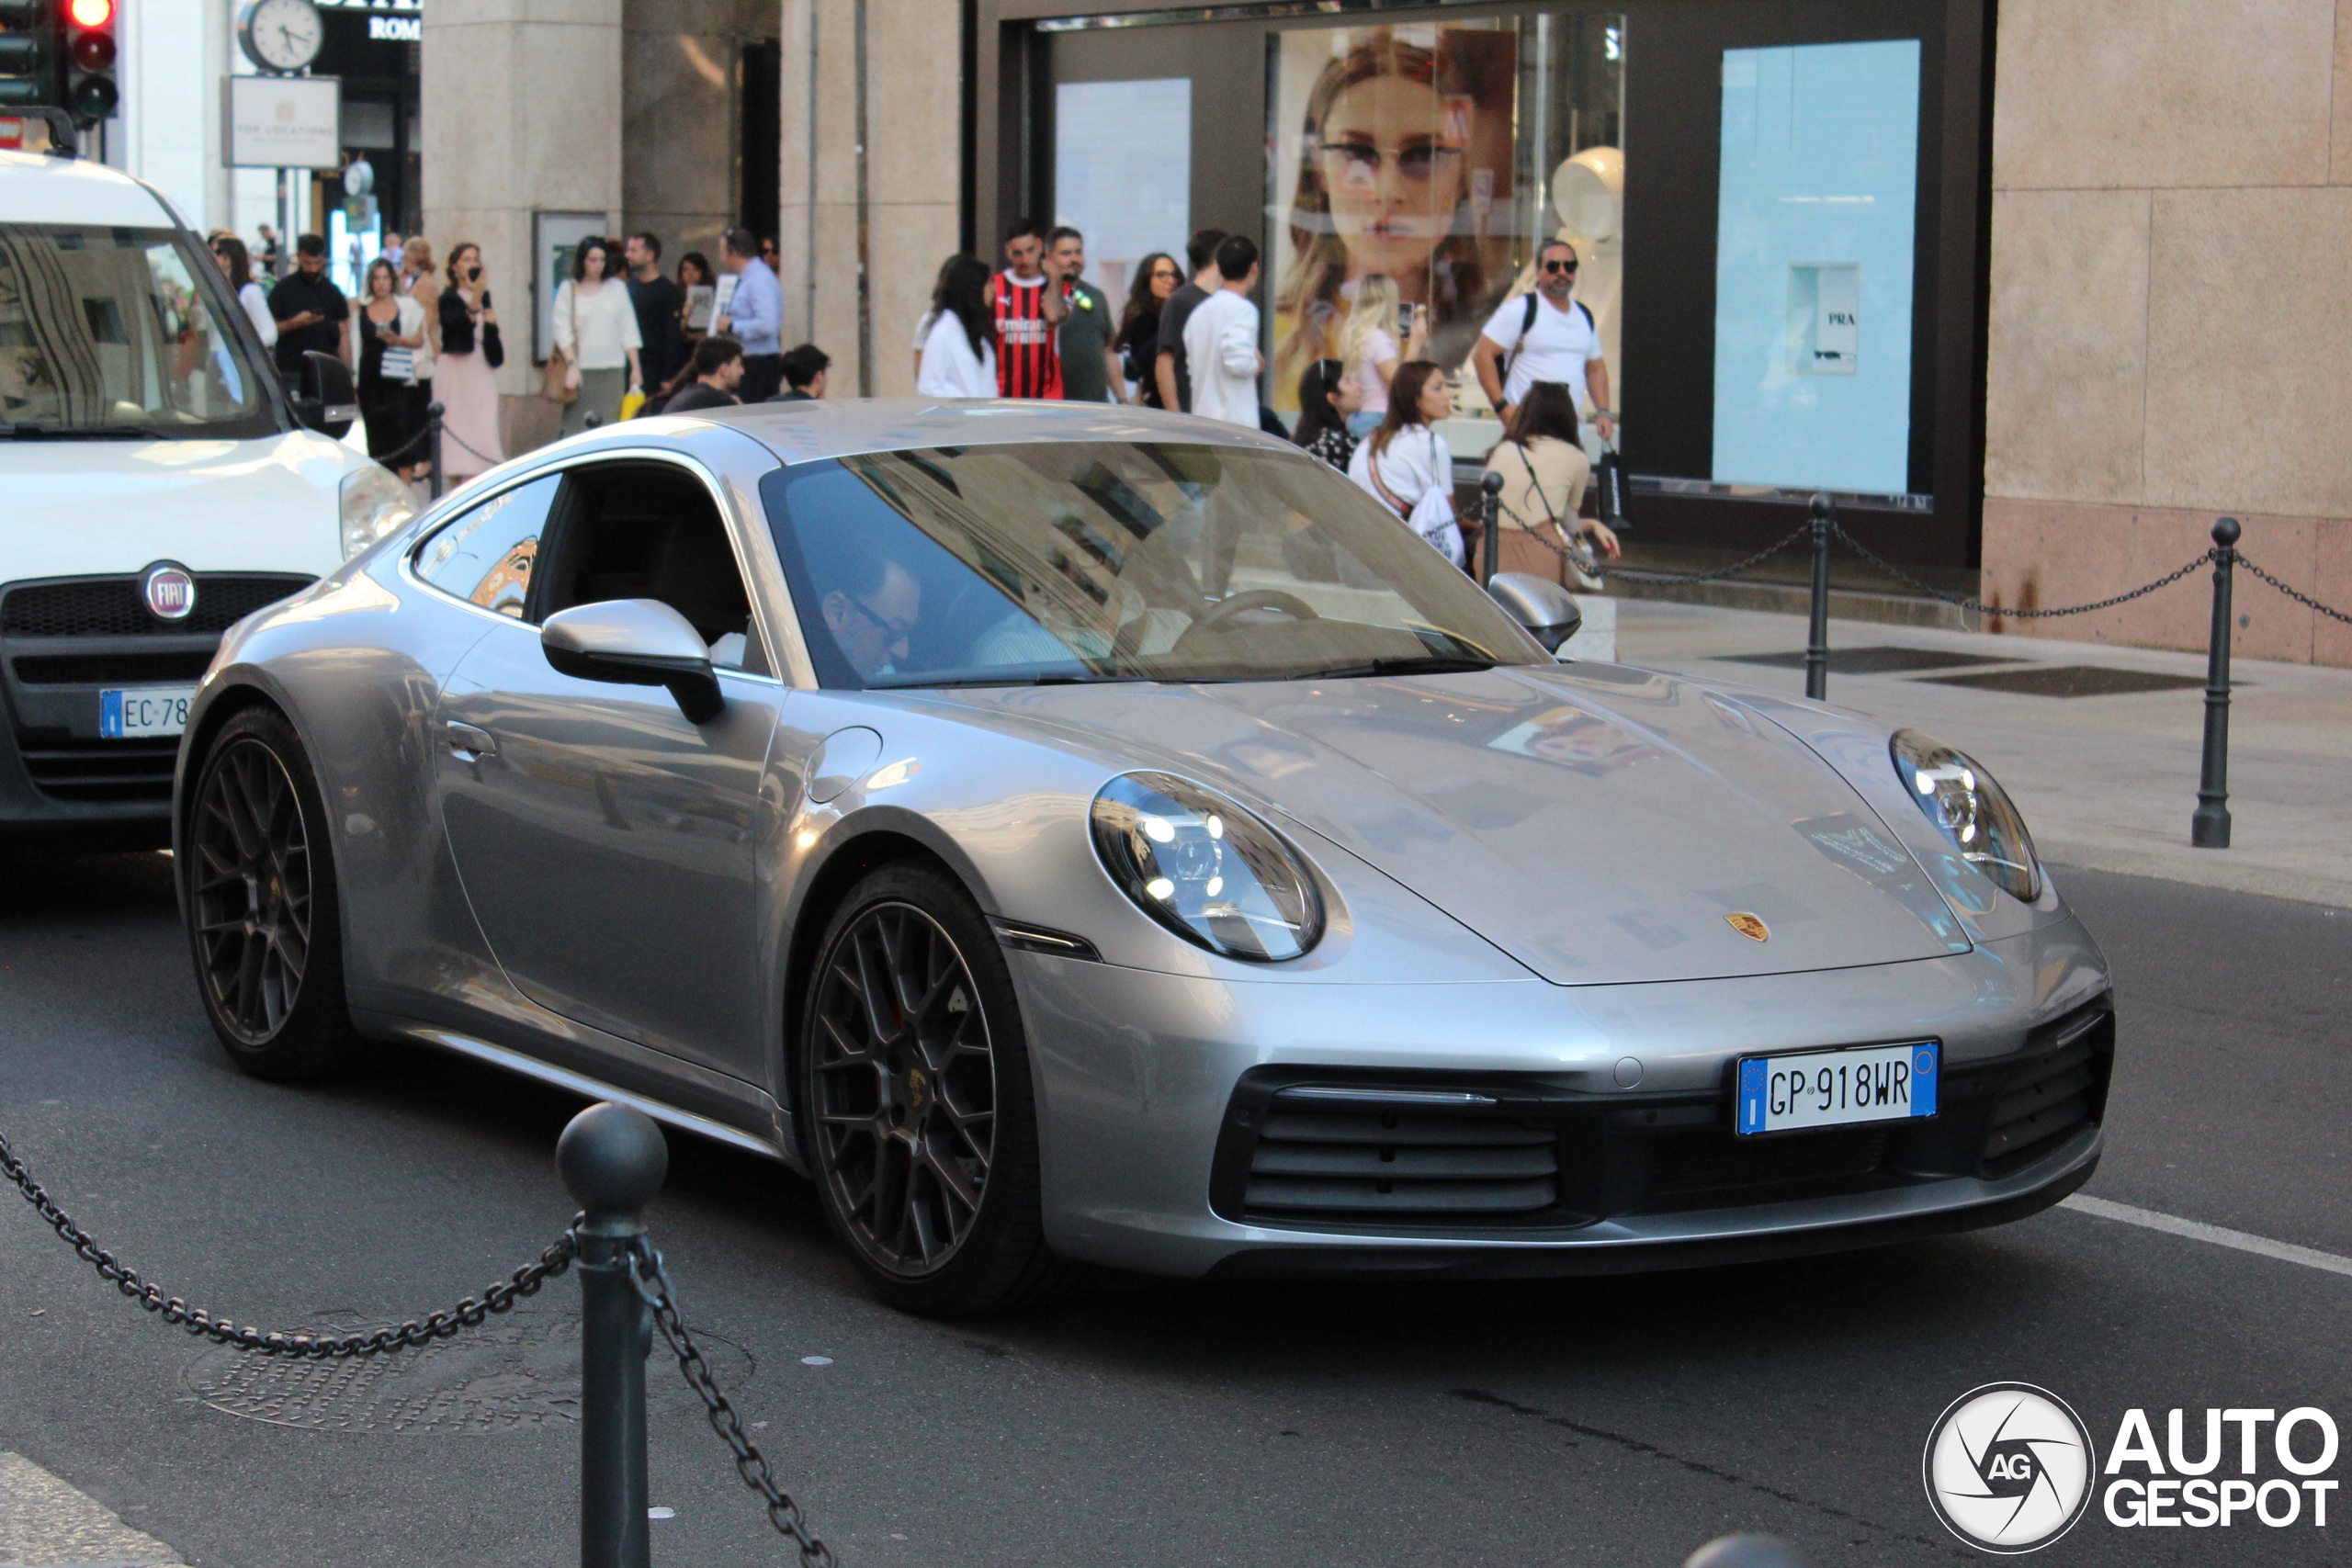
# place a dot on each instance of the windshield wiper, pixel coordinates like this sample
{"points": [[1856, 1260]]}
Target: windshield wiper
{"points": [[920, 683], [24, 432], [1417, 664]]}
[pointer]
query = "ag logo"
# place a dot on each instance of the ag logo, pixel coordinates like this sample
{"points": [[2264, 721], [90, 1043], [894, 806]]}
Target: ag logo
{"points": [[2009, 1468]]}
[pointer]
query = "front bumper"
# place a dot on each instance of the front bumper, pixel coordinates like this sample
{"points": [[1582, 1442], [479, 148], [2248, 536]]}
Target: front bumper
{"points": [[1154, 1092], [64, 640]]}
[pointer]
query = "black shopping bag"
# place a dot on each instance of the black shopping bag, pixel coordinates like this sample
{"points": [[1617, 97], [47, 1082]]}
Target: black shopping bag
{"points": [[1609, 485]]}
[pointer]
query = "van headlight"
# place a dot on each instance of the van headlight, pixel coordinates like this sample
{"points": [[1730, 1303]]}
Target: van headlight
{"points": [[374, 503], [1205, 868], [1960, 798]]}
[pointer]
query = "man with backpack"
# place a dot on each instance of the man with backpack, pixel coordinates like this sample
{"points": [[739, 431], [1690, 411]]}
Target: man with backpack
{"points": [[1547, 336]]}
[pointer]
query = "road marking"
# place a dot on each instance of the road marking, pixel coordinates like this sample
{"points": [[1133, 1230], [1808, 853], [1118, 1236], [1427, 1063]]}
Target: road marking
{"points": [[44, 1521], [2219, 1235]]}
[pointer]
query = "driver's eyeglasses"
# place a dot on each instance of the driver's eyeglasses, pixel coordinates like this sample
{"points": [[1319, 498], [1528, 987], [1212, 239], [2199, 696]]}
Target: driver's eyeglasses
{"points": [[1360, 162], [889, 629], [1567, 266]]}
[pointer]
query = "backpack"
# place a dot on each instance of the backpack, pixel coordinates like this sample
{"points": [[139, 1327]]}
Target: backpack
{"points": [[1527, 324]]}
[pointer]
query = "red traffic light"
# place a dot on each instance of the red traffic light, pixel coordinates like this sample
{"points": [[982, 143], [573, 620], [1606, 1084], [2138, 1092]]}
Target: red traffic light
{"points": [[91, 13]]}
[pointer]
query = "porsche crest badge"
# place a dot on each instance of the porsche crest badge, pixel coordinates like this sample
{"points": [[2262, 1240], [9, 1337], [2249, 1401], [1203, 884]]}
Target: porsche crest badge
{"points": [[1748, 926]]}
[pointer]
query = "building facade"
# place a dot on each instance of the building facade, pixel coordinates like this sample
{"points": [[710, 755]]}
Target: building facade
{"points": [[2037, 287]]}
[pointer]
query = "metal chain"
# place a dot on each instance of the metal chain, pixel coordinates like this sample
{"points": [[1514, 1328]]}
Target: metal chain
{"points": [[653, 1282], [2166, 581], [1631, 575], [500, 1296], [2303, 599]]}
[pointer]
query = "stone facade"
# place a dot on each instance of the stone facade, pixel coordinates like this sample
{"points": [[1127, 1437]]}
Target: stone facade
{"points": [[2172, 253]]}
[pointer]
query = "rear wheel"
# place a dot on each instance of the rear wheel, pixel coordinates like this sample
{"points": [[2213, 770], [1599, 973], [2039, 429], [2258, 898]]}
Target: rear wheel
{"points": [[915, 1078], [264, 921]]}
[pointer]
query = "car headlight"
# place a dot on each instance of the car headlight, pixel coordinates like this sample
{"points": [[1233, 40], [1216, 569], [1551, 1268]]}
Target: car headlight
{"points": [[1960, 798], [374, 503], [1205, 868]]}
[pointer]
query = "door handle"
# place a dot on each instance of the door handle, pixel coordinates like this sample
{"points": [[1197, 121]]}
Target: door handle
{"points": [[467, 743]]}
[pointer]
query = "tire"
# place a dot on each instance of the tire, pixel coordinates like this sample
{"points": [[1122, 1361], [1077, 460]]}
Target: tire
{"points": [[265, 926], [918, 1111]]}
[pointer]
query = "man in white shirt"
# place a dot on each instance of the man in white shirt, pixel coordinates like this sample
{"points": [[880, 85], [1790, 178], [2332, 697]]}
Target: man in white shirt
{"points": [[1549, 336], [1221, 339]]}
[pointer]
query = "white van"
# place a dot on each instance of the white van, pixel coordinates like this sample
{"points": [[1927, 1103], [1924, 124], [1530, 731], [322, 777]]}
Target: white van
{"points": [[157, 483]]}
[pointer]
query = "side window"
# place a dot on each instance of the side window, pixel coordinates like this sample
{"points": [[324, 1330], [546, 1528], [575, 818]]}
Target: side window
{"points": [[484, 556], [639, 530]]}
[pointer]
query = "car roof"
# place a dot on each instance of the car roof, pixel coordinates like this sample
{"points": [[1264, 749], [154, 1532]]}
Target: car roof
{"points": [[40, 187], [802, 432]]}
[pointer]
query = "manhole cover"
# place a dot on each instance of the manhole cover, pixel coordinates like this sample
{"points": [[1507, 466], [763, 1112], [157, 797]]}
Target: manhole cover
{"points": [[513, 1374], [1882, 660]]}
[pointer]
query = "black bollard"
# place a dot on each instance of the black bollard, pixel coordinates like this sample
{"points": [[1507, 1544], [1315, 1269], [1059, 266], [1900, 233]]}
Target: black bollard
{"points": [[2208, 827], [1816, 637], [1490, 510], [612, 1158], [591, 419], [433, 447]]}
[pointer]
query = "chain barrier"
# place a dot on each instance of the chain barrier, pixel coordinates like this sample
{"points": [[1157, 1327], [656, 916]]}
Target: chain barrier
{"points": [[2303, 599], [1634, 575], [470, 1312], [653, 1282], [2166, 581]]}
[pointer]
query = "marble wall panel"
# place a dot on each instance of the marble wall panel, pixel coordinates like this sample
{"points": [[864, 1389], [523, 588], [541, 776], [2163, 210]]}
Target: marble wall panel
{"points": [[2043, 554], [910, 239], [2249, 402], [2066, 376], [2331, 584], [2142, 93]]}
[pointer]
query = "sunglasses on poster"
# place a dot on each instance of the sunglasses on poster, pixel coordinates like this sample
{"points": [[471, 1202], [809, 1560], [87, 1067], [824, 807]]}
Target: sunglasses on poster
{"points": [[1360, 162]]}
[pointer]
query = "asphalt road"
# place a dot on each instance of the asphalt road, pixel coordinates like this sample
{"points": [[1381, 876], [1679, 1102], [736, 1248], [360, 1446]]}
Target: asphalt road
{"points": [[1617, 1421]]}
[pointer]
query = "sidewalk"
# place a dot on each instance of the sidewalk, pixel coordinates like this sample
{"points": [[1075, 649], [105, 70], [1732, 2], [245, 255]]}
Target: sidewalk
{"points": [[2108, 779], [46, 1524]]}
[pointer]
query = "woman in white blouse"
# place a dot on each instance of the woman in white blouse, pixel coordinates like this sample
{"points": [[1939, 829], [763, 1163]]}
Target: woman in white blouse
{"points": [[1406, 462], [595, 326], [958, 360]]}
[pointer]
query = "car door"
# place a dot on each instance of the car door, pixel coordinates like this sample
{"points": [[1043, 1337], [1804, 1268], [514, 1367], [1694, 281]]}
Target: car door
{"points": [[606, 842]]}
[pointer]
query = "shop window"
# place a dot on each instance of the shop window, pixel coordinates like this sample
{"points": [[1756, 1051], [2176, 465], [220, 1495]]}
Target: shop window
{"points": [[1123, 175], [1439, 156]]}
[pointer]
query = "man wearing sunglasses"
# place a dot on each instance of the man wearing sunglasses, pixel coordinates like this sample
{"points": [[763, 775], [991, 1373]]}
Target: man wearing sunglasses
{"points": [[1548, 337]]}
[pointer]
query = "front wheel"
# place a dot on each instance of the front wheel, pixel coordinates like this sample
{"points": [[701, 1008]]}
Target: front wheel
{"points": [[914, 1077], [263, 918]]}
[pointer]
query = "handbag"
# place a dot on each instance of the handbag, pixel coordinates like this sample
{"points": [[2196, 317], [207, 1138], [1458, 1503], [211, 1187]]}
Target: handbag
{"points": [[555, 379], [494, 347], [1609, 478], [632, 402]]}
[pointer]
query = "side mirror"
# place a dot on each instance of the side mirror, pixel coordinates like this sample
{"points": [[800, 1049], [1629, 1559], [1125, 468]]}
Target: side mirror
{"points": [[1543, 607], [635, 642], [329, 400]]}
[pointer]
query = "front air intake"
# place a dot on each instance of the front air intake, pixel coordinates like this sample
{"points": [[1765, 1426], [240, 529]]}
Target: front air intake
{"points": [[1397, 1156]]}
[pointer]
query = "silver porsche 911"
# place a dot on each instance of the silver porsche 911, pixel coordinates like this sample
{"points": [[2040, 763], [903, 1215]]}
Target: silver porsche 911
{"points": [[1088, 836]]}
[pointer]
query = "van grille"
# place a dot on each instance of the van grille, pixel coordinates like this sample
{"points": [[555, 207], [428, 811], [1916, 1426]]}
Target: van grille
{"points": [[93, 772], [111, 607], [110, 669]]}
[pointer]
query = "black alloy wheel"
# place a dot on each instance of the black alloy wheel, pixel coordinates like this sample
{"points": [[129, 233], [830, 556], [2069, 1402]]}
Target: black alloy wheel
{"points": [[920, 1120], [261, 902]]}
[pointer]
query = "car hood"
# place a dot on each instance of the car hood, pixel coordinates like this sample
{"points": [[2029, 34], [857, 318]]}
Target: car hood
{"points": [[81, 508], [1599, 823]]}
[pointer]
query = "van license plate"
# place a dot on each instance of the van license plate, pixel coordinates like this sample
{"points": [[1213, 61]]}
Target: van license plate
{"points": [[127, 712], [1836, 1089]]}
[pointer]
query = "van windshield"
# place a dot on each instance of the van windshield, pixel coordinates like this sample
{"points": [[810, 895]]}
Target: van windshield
{"points": [[110, 331]]}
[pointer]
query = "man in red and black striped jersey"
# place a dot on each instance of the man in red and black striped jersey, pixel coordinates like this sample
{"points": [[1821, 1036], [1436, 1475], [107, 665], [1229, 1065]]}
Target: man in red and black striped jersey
{"points": [[1028, 314]]}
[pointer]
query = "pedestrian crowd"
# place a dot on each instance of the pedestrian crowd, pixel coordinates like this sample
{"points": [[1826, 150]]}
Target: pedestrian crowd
{"points": [[630, 338]]}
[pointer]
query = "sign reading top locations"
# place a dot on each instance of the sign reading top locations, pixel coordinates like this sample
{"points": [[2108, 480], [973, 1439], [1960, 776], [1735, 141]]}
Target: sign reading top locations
{"points": [[282, 122]]}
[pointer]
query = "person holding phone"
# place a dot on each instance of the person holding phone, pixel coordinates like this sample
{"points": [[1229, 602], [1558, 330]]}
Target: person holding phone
{"points": [[467, 380]]}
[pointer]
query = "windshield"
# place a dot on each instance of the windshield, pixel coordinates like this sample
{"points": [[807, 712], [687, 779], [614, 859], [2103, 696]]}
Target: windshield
{"points": [[1115, 560], [107, 330]]}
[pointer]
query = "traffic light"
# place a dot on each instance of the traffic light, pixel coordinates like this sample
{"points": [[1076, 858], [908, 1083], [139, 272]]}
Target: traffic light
{"points": [[28, 54], [88, 34]]}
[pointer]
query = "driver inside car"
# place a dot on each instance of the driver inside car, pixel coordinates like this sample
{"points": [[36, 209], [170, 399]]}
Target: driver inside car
{"points": [[871, 612]]}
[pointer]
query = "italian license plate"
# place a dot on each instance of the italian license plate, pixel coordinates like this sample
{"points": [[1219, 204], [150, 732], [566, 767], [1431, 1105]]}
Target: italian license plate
{"points": [[128, 712], [1836, 1089]]}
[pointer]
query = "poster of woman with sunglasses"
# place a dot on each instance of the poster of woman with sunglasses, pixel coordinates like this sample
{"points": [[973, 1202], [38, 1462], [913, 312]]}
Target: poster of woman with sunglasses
{"points": [[1393, 147]]}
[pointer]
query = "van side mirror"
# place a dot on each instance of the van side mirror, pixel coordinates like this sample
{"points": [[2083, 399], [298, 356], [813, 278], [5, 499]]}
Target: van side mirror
{"points": [[1543, 607], [328, 401], [635, 642]]}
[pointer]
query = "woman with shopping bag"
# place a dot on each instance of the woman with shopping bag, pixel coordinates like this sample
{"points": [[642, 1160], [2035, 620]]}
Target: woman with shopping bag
{"points": [[1406, 462], [597, 340]]}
